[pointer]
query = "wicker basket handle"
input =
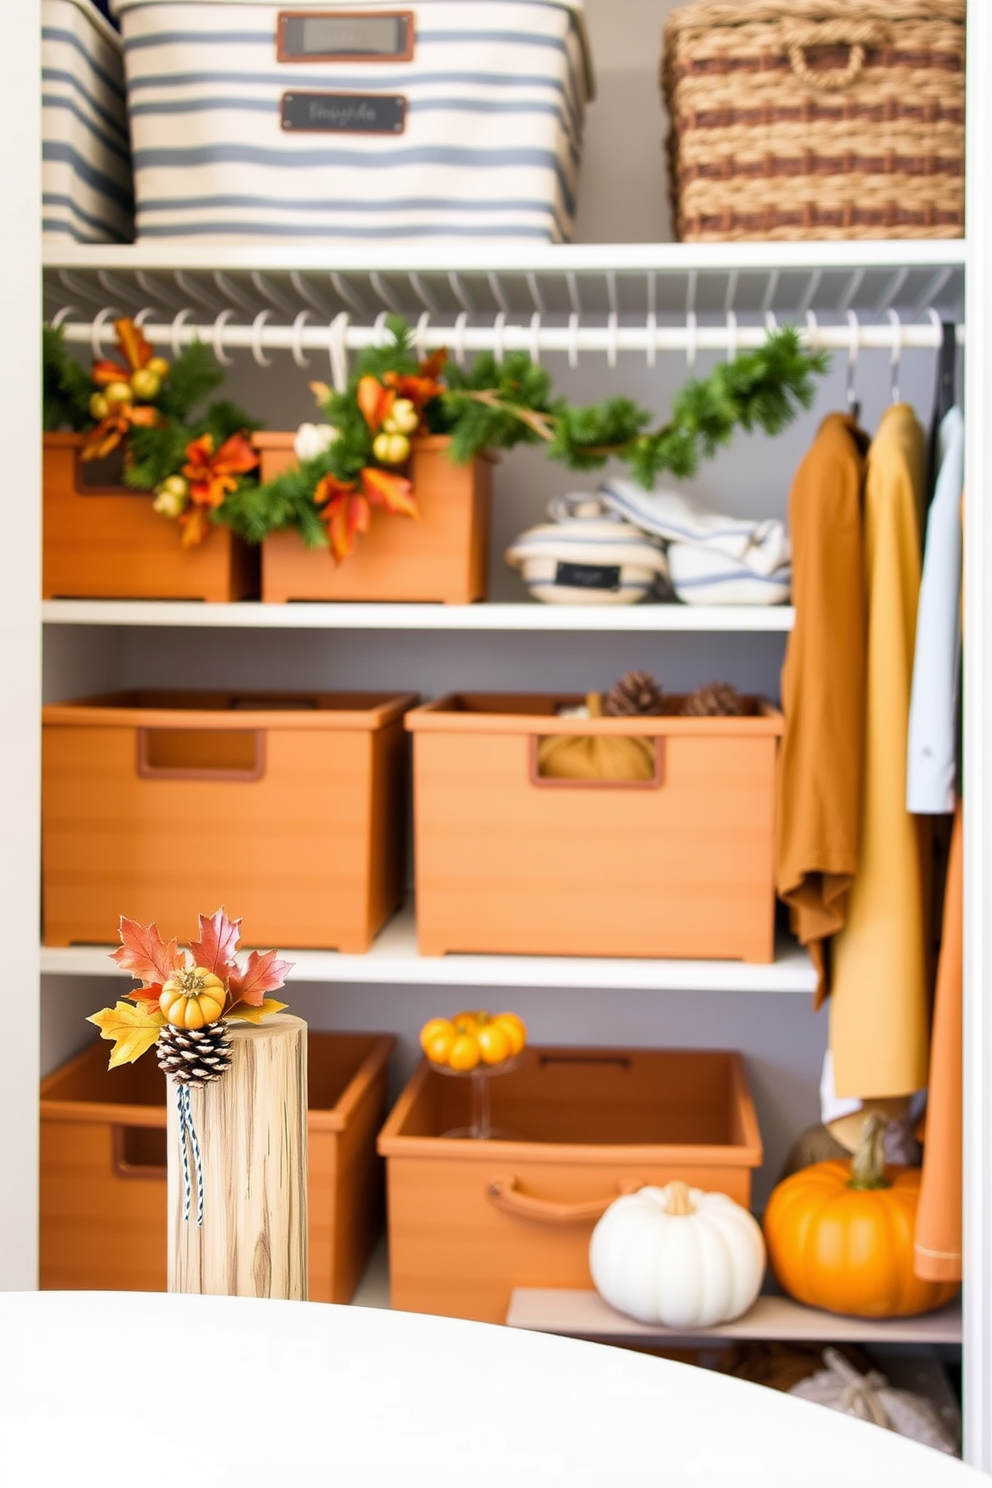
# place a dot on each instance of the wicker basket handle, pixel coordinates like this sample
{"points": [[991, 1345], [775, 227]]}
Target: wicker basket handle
{"points": [[855, 35], [504, 1193]]}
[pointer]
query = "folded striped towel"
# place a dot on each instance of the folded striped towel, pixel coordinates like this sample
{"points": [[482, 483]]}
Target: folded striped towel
{"points": [[762, 546], [712, 558]]}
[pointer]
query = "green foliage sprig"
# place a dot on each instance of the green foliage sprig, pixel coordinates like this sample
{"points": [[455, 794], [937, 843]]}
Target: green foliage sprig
{"points": [[500, 404]]}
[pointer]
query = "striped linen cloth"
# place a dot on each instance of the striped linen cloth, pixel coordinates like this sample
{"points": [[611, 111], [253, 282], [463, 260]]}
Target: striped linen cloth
{"points": [[492, 106], [712, 558], [87, 193]]}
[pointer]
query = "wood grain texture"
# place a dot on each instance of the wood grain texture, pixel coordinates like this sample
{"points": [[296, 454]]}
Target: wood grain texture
{"points": [[113, 546], [508, 865], [252, 1129], [578, 1125], [443, 557]]}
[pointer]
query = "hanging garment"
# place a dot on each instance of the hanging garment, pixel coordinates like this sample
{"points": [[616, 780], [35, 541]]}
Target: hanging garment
{"points": [[879, 1010], [818, 786], [943, 401], [937, 1249], [932, 755]]}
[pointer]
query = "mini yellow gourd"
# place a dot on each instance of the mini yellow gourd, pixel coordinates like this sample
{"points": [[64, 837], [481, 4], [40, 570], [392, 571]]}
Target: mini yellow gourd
{"points": [[192, 997]]}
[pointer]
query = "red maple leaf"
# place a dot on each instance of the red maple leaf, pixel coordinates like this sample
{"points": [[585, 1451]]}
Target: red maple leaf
{"points": [[263, 973], [218, 941], [144, 953]]}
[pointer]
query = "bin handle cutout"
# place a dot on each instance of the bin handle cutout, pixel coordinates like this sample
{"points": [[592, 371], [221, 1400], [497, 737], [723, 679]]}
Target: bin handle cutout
{"points": [[654, 781], [121, 1161], [200, 754], [504, 1193]]}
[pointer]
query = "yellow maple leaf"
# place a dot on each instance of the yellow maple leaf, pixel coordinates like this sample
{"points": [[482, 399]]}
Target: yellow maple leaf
{"points": [[256, 1014], [133, 1030]]}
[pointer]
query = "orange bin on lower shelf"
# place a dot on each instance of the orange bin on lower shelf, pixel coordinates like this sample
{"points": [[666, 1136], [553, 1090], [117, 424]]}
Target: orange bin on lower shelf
{"points": [[103, 1168], [471, 1219], [286, 808], [510, 862]]}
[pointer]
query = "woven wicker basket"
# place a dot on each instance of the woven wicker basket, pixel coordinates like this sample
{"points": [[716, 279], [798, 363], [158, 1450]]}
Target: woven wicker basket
{"points": [[816, 119]]}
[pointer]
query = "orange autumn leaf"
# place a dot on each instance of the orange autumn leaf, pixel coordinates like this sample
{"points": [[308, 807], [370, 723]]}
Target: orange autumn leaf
{"points": [[418, 390], [112, 428], [213, 476], [195, 526], [392, 492], [251, 1014], [346, 518], [374, 401], [131, 1029], [131, 339]]}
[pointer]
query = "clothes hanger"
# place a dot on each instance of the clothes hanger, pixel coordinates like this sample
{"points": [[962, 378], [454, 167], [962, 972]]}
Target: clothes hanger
{"points": [[853, 402]]}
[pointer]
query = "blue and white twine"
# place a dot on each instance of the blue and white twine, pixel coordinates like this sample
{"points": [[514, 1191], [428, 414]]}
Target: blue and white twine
{"points": [[187, 1139]]}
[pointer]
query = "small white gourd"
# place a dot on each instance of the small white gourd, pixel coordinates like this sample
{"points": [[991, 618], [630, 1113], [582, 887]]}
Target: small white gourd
{"points": [[678, 1257]]}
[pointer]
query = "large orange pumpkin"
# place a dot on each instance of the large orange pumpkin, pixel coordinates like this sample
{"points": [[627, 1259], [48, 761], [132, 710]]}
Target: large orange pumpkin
{"points": [[840, 1235]]}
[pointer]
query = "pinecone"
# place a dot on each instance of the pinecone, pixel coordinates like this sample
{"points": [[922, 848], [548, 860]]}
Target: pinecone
{"points": [[194, 1056], [637, 693], [716, 699]]}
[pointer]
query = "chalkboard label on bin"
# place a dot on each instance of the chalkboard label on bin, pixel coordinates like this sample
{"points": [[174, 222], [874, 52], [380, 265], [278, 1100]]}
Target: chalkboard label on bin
{"points": [[345, 36], [343, 113], [588, 575]]}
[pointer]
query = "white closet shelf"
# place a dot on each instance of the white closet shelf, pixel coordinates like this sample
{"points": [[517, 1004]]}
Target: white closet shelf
{"points": [[584, 1314], [393, 960], [477, 282], [522, 616]]}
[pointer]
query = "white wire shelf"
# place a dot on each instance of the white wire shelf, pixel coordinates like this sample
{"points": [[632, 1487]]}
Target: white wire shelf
{"points": [[605, 297], [394, 617], [584, 1314], [393, 960]]}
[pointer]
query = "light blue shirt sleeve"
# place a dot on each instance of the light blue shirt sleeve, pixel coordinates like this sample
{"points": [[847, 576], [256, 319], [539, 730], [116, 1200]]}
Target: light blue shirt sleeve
{"points": [[932, 755]]}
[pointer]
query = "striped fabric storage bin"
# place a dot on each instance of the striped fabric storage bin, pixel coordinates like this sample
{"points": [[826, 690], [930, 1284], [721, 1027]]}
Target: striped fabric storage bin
{"points": [[87, 193], [341, 121]]}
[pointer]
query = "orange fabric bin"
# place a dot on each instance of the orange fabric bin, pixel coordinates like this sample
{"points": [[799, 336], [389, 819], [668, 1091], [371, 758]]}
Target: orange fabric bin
{"points": [[103, 1168], [510, 862], [285, 808], [443, 557], [469, 1220], [106, 542]]}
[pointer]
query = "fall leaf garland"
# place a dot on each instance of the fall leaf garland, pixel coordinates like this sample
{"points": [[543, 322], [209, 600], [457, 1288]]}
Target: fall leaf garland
{"points": [[497, 404]]}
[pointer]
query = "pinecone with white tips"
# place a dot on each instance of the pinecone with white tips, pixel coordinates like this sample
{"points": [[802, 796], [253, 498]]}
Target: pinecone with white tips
{"points": [[715, 700], [194, 1056], [637, 694]]}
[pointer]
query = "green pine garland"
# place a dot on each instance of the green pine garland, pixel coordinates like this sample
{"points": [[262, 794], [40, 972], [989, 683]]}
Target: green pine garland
{"points": [[497, 405]]}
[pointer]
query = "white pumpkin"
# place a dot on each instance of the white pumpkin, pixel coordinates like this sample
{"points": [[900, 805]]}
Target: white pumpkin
{"points": [[677, 1256]]}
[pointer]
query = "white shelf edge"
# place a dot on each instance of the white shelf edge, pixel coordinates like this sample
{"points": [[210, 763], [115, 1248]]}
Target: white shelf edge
{"points": [[253, 615], [393, 960], [510, 259], [584, 1314]]}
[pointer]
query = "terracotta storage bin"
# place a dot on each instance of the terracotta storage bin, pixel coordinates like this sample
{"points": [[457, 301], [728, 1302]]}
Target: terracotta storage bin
{"points": [[105, 542], [443, 557], [285, 808], [103, 1168], [470, 1220], [509, 862]]}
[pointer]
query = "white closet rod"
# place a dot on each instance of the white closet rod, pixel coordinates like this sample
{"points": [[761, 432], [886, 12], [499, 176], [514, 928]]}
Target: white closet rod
{"points": [[264, 334]]}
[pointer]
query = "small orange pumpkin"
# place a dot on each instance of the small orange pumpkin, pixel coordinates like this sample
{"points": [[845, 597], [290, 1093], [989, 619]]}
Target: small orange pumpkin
{"points": [[192, 997], [840, 1235]]}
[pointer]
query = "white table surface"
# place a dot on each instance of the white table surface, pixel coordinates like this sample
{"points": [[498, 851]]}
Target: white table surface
{"points": [[137, 1390]]}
